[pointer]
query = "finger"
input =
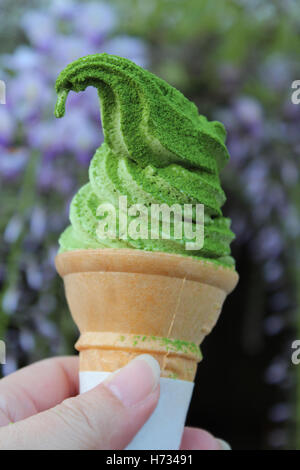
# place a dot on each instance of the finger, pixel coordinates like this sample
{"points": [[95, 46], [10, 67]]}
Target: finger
{"points": [[198, 439], [106, 417], [37, 388]]}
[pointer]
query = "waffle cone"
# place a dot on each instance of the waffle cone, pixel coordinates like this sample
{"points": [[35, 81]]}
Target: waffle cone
{"points": [[128, 302]]}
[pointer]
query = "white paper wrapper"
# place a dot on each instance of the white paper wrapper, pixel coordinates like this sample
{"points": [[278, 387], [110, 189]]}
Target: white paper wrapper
{"points": [[163, 430]]}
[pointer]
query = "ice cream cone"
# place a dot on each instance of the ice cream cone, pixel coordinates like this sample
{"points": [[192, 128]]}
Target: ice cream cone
{"points": [[128, 302]]}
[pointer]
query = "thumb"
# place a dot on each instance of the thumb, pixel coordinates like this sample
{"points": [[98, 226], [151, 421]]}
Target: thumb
{"points": [[107, 417]]}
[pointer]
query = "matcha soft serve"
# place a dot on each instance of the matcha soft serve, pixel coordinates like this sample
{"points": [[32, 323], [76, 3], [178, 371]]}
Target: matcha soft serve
{"points": [[157, 150]]}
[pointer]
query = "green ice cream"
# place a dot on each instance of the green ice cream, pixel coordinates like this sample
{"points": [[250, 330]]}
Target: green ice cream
{"points": [[157, 149]]}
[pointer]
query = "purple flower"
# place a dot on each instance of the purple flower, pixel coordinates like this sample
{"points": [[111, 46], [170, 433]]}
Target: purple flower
{"points": [[276, 372], [82, 136], [78, 135], [65, 49], [65, 10], [44, 137], [27, 340], [273, 270], [40, 28], [87, 101], [24, 58], [30, 96], [10, 301], [268, 244], [13, 229], [73, 134], [280, 412], [255, 178], [238, 147], [46, 176], [47, 329], [38, 223], [10, 366], [274, 324], [94, 21], [51, 178], [34, 276], [249, 114], [129, 47], [12, 162]]}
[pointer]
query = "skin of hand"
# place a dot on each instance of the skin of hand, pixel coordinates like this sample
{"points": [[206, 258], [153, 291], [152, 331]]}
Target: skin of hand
{"points": [[40, 408]]}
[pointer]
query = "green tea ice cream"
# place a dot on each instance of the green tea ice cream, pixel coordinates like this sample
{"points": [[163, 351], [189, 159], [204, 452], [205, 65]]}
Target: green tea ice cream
{"points": [[157, 150]]}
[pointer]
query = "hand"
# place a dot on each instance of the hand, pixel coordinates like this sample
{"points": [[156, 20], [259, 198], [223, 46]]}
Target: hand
{"points": [[42, 403]]}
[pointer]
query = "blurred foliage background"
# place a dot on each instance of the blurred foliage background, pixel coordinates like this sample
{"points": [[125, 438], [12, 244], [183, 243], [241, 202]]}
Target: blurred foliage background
{"points": [[237, 60]]}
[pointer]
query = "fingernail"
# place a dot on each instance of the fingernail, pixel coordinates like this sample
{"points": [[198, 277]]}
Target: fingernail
{"points": [[134, 382], [224, 445]]}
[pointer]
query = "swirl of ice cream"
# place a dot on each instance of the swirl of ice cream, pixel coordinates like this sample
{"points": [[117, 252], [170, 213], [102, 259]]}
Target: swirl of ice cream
{"points": [[157, 149]]}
